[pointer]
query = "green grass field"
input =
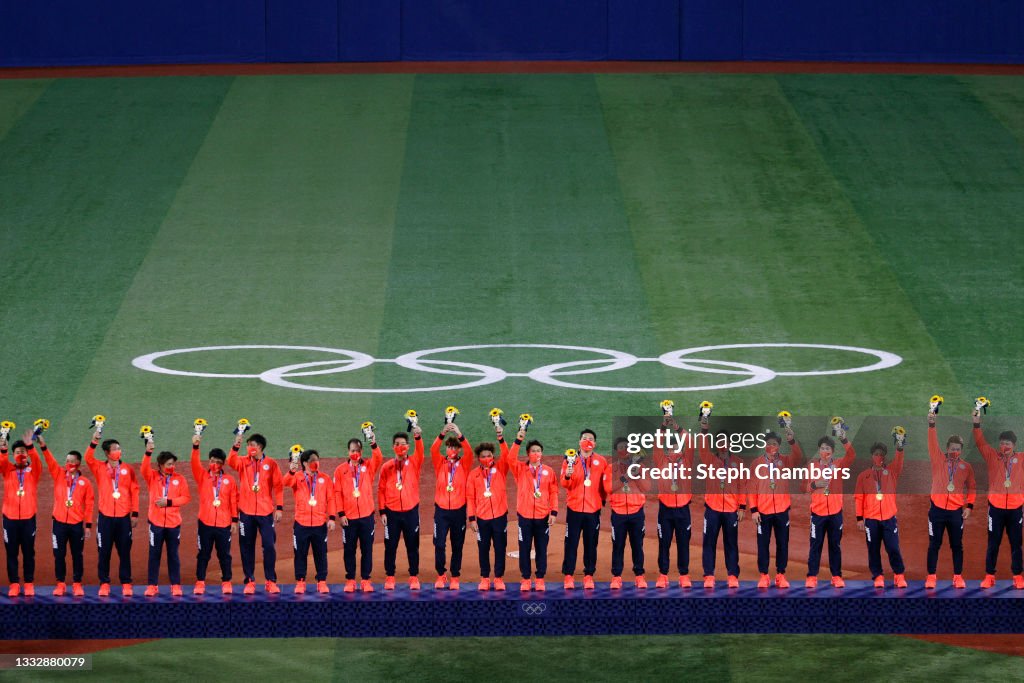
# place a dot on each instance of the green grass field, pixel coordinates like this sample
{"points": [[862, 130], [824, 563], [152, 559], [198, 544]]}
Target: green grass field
{"points": [[393, 213]]}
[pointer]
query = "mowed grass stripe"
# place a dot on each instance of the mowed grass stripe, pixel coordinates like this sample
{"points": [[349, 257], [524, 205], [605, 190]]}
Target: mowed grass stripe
{"points": [[511, 229], [722, 658], [936, 179], [1003, 96], [280, 234], [746, 237], [86, 178], [16, 98]]}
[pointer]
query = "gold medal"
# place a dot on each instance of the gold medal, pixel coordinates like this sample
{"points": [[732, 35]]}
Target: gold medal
{"points": [[675, 486], [487, 493], [951, 487], [449, 488], [216, 502], [256, 488], [536, 493], [586, 482], [878, 496], [116, 495], [398, 486], [69, 503], [356, 493], [312, 502], [21, 492], [625, 488], [771, 485], [1006, 483], [721, 485], [827, 491]]}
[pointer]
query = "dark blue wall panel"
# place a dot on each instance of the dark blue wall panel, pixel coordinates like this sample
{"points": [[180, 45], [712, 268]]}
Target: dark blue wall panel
{"points": [[370, 30], [505, 29], [643, 30], [711, 29], [131, 31], [885, 30], [302, 30]]}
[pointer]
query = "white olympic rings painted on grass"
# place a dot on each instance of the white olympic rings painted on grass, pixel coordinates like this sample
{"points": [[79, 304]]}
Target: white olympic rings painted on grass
{"points": [[482, 375]]}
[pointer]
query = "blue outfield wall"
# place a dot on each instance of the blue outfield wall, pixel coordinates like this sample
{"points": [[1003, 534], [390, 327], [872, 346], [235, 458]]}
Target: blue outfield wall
{"points": [[70, 32]]}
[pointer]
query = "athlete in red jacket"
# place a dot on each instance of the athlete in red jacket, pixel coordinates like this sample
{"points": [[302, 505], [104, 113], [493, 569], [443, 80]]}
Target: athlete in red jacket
{"points": [[218, 516], [1005, 502], [398, 496], [536, 505], [827, 510], [584, 499], [353, 491], [260, 505], [952, 500], [487, 512], [73, 503], [168, 493], [451, 472], [21, 483], [626, 497], [874, 499], [724, 504], [117, 491], [769, 505], [674, 497], [315, 508]]}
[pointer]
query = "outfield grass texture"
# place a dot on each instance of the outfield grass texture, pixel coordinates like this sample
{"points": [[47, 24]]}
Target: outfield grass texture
{"points": [[392, 213]]}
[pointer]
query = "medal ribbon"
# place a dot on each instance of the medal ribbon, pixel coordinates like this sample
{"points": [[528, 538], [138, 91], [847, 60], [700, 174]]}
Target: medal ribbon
{"points": [[398, 473], [71, 485], [167, 483], [451, 472], [310, 484], [21, 479], [216, 488], [586, 470], [536, 484], [487, 478], [256, 472], [116, 477], [878, 481], [950, 469], [356, 475]]}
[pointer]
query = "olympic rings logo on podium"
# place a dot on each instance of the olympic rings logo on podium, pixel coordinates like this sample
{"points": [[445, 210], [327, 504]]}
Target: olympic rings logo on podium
{"points": [[554, 374], [534, 608]]}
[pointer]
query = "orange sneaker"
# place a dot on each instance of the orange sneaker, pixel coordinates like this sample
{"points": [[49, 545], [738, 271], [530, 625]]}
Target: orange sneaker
{"points": [[225, 588], [958, 581], [588, 582], [14, 591], [199, 588], [389, 583], [414, 583], [1018, 581], [77, 590], [272, 587], [879, 582], [733, 582], [811, 583], [640, 582], [176, 591], [538, 585], [900, 581], [60, 589], [662, 581], [250, 588], [763, 581], [781, 582], [350, 586], [104, 590], [30, 590], [454, 584], [684, 581], [151, 591], [988, 581], [484, 585], [930, 581], [441, 583], [709, 582], [616, 583], [127, 590], [569, 583], [524, 586], [300, 586], [321, 587], [837, 582], [499, 583]]}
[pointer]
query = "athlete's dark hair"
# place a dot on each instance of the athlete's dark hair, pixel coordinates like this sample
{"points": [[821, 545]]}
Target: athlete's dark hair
{"points": [[485, 446], [399, 435], [589, 431], [1008, 436], [108, 443], [879, 447], [827, 440], [217, 454], [164, 456], [259, 440], [772, 436], [357, 442], [533, 442], [307, 454]]}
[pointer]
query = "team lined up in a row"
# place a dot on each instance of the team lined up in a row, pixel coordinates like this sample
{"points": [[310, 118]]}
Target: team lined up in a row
{"points": [[475, 497]]}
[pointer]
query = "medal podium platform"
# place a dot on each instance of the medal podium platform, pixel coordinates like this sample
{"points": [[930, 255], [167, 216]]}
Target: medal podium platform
{"points": [[858, 608]]}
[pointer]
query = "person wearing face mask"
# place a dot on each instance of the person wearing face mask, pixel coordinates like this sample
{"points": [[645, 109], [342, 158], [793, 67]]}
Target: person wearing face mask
{"points": [[874, 498], [724, 506], [827, 511], [585, 496], [536, 505], [73, 501], [1005, 502], [487, 511], [353, 487], [21, 482], [626, 497], [769, 506], [218, 516], [398, 495], [117, 489], [168, 493], [450, 474], [952, 501], [260, 506], [674, 521], [314, 517]]}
